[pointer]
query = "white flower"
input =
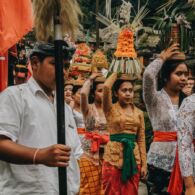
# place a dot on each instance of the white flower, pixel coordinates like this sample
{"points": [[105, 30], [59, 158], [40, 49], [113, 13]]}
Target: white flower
{"points": [[181, 19]]}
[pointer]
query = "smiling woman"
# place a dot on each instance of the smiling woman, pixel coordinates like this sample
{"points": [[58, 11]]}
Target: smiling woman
{"points": [[162, 103]]}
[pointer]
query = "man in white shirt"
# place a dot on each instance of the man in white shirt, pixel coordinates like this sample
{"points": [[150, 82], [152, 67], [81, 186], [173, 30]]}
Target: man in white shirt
{"points": [[29, 155]]}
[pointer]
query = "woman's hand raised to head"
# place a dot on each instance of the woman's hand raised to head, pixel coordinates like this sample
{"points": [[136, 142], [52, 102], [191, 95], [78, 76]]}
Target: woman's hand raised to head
{"points": [[168, 53], [95, 75]]}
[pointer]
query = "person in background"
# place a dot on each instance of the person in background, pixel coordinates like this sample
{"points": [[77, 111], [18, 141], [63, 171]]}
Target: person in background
{"points": [[95, 135], [68, 87], [76, 95], [189, 87], [20, 74], [12, 60]]}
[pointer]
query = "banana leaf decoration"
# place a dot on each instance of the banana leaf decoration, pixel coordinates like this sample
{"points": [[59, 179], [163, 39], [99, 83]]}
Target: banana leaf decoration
{"points": [[125, 58], [113, 25]]}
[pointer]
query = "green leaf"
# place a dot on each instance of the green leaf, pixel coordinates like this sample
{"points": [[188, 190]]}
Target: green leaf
{"points": [[158, 18], [174, 12]]}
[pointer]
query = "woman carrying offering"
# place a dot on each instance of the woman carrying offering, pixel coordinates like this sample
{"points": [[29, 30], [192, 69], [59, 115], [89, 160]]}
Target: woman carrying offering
{"points": [[95, 136], [125, 153], [162, 106]]}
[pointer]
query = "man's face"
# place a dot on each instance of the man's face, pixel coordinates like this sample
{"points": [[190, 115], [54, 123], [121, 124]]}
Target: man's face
{"points": [[44, 73]]}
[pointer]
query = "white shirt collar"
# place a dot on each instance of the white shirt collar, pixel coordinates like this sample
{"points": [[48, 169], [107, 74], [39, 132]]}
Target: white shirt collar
{"points": [[35, 87]]}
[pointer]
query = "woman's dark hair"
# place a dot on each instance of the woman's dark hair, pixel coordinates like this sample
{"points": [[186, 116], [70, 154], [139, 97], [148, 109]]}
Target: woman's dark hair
{"points": [[182, 96], [92, 92], [165, 73], [75, 89], [67, 84], [193, 89], [116, 87], [167, 69]]}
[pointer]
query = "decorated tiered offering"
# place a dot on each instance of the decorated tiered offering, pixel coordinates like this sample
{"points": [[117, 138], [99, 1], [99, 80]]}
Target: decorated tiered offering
{"points": [[81, 65], [125, 58], [99, 60], [125, 45], [82, 58]]}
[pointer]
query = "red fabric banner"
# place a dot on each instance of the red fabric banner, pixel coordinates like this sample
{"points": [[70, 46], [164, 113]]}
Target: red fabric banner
{"points": [[3, 71], [15, 21]]}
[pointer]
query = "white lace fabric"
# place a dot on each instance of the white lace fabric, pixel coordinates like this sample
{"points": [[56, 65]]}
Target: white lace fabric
{"points": [[162, 115], [186, 134]]}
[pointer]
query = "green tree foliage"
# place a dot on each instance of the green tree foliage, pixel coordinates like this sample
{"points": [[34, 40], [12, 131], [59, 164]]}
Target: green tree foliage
{"points": [[89, 6]]}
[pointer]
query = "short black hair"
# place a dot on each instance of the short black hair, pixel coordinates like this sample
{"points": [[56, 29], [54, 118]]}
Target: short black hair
{"points": [[43, 50], [40, 56]]}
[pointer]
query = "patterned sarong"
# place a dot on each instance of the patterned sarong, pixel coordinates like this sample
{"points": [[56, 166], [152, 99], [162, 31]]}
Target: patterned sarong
{"points": [[113, 184], [91, 178]]}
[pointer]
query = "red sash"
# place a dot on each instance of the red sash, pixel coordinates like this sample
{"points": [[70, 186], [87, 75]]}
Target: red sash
{"points": [[81, 130], [96, 138], [176, 182]]}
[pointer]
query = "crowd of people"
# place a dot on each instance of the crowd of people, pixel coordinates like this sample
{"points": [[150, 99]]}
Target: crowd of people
{"points": [[105, 151]]}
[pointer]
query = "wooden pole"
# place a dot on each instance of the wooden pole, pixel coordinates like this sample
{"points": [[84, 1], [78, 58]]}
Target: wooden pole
{"points": [[97, 26]]}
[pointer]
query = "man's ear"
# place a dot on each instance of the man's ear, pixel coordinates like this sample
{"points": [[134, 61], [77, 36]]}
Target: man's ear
{"points": [[35, 62]]}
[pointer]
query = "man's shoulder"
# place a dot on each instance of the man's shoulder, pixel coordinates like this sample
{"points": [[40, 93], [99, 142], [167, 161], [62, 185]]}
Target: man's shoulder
{"points": [[14, 90]]}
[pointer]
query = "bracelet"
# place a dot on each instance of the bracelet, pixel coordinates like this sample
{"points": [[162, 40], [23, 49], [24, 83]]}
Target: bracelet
{"points": [[35, 155]]}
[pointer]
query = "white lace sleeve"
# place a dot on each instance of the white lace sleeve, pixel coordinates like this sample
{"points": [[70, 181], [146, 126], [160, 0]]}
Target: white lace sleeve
{"points": [[150, 80], [185, 137]]}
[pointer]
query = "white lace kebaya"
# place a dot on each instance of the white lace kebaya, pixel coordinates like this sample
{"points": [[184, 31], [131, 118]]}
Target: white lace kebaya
{"points": [[163, 116], [186, 135]]}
